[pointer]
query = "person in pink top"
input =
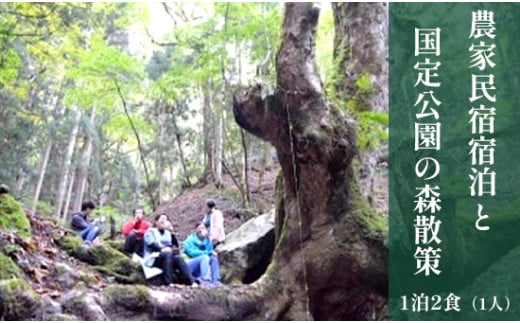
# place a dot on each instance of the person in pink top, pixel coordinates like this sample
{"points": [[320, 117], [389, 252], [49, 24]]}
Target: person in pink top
{"points": [[214, 223]]}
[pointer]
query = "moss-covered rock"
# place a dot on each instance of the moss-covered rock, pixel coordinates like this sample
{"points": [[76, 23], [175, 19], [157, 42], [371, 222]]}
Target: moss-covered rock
{"points": [[133, 298], [8, 267], [83, 304], [13, 218], [106, 259], [17, 300], [116, 244]]}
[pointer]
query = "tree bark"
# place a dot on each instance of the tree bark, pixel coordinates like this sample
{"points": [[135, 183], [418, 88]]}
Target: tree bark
{"points": [[67, 161], [65, 209], [328, 263], [207, 128], [86, 154], [245, 172], [178, 139], [41, 171], [361, 50], [159, 165]]}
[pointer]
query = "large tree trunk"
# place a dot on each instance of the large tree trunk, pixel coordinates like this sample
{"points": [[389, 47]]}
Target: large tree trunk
{"points": [[361, 50], [329, 263]]}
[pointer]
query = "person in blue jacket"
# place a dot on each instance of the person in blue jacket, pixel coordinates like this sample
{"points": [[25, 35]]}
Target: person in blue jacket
{"points": [[203, 261], [160, 239]]}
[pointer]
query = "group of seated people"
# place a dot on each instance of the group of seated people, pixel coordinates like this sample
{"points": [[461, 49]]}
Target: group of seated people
{"points": [[196, 264]]}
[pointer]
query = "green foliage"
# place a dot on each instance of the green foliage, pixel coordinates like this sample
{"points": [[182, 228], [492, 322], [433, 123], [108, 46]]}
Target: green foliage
{"points": [[324, 47], [372, 129], [12, 217], [364, 82]]}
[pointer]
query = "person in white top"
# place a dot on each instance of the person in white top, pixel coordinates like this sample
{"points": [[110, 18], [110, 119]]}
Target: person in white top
{"points": [[214, 222]]}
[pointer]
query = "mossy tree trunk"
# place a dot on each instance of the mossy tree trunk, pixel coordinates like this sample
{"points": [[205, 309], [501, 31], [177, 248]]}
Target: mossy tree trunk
{"points": [[361, 55], [361, 50], [328, 262]]}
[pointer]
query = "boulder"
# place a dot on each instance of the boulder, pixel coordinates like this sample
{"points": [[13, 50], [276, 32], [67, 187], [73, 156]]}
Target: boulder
{"points": [[83, 304], [247, 251], [17, 300]]}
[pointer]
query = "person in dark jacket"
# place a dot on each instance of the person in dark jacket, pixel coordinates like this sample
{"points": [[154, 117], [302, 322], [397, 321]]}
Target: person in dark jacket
{"points": [[86, 229], [160, 239], [134, 231]]}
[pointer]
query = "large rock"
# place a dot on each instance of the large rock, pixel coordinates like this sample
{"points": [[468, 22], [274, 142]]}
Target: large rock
{"points": [[17, 300], [247, 251]]}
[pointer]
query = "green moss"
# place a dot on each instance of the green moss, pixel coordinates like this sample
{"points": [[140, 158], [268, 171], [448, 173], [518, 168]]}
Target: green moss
{"points": [[9, 268], [106, 259], [116, 244], [364, 82], [366, 214], [131, 297], [11, 249], [12, 217], [279, 210], [17, 300]]}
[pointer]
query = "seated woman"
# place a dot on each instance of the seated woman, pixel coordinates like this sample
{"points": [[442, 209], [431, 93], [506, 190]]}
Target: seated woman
{"points": [[203, 260], [159, 239]]}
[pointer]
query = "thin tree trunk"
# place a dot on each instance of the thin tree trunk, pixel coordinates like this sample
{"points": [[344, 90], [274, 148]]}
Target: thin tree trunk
{"points": [[178, 139], [139, 145], [65, 169], [245, 168], [266, 162], [208, 127], [160, 151], [65, 209], [222, 115], [219, 142], [41, 171], [84, 163]]}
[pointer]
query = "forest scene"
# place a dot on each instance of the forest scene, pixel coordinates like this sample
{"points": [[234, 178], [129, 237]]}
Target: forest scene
{"points": [[269, 120]]}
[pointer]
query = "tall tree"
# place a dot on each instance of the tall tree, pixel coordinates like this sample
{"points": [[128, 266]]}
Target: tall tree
{"points": [[84, 162], [59, 211], [361, 51], [328, 251], [361, 54]]}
